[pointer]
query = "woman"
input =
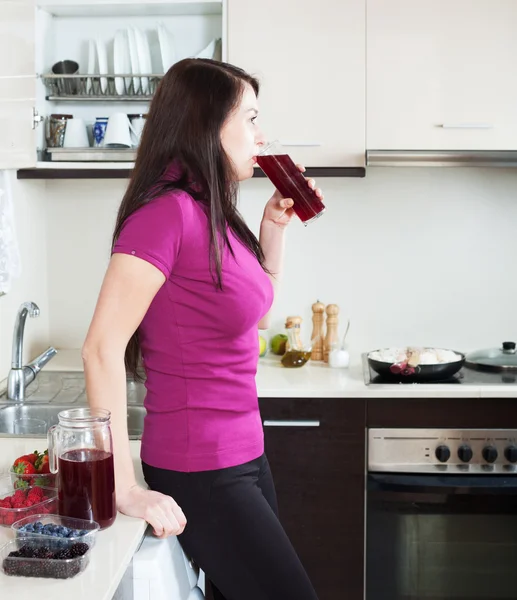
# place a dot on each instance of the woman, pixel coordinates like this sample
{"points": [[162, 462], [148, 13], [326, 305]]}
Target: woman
{"points": [[185, 289]]}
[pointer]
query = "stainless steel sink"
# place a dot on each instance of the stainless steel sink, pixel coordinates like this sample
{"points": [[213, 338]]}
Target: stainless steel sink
{"points": [[33, 420], [55, 391], [68, 387]]}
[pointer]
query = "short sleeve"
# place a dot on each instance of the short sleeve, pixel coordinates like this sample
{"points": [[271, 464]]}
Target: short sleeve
{"points": [[154, 233]]}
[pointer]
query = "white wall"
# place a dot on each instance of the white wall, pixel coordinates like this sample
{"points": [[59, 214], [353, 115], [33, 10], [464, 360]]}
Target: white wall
{"points": [[412, 256], [30, 218]]}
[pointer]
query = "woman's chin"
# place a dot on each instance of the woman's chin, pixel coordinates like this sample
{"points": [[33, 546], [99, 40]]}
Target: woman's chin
{"points": [[246, 173]]}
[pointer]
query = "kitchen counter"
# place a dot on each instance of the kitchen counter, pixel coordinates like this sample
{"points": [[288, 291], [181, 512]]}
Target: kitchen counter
{"points": [[109, 558], [318, 380]]}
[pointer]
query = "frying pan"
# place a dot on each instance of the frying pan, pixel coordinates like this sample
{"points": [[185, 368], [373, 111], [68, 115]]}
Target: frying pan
{"points": [[394, 373]]}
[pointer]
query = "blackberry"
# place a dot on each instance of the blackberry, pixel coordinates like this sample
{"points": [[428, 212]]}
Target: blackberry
{"points": [[43, 552], [79, 549], [27, 552], [64, 554]]}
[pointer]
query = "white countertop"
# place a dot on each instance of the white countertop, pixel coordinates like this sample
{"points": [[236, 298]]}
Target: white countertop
{"points": [[109, 558], [318, 380]]}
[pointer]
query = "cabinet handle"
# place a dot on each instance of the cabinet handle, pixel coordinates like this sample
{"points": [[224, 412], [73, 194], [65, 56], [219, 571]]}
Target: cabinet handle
{"points": [[307, 144], [467, 126], [289, 423]]}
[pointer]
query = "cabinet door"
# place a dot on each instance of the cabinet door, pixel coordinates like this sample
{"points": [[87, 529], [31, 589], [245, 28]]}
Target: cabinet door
{"points": [[316, 451], [310, 59], [17, 84], [441, 75]]}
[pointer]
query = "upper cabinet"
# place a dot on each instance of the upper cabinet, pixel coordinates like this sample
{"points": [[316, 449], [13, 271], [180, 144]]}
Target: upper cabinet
{"points": [[441, 75], [121, 47], [310, 59], [17, 84]]}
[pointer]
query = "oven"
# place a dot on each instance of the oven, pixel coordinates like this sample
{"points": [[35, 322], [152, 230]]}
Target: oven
{"points": [[441, 520]]}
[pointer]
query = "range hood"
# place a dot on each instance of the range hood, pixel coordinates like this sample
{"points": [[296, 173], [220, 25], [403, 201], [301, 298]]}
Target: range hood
{"points": [[441, 158]]}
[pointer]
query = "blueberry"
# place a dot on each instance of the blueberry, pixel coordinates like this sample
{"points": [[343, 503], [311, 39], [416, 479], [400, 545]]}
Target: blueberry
{"points": [[83, 532]]}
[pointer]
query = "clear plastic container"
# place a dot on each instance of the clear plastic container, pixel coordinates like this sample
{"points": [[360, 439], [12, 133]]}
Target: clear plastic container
{"points": [[9, 515], [55, 568], [56, 542], [23, 481]]}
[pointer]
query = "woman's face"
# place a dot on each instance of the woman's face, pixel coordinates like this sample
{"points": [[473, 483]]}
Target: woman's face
{"points": [[241, 137]]}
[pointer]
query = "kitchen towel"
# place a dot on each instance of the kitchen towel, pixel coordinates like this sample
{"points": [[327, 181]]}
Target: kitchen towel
{"points": [[10, 265]]}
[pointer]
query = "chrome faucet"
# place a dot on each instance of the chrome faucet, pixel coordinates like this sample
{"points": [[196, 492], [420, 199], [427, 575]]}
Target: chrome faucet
{"points": [[21, 376]]}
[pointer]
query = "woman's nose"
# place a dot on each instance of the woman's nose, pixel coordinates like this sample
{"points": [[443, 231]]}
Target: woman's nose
{"points": [[260, 139]]}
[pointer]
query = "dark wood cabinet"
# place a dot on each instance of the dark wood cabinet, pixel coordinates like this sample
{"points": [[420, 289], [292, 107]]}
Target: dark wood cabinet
{"points": [[316, 449]]}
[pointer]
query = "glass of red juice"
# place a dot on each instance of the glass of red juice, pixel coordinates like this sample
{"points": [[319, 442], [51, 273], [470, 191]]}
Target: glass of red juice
{"points": [[80, 448], [290, 182]]}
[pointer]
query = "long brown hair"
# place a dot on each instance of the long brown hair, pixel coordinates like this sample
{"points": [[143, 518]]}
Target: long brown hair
{"points": [[183, 126]]}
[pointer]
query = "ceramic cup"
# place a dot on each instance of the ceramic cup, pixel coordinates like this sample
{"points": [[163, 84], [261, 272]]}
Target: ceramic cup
{"points": [[137, 126], [99, 131], [76, 135], [118, 132]]}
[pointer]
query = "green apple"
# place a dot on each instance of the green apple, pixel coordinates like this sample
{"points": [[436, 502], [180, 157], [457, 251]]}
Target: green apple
{"points": [[278, 343]]}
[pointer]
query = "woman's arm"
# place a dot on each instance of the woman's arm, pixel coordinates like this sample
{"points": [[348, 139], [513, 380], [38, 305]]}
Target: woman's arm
{"points": [[272, 242], [128, 289], [277, 215]]}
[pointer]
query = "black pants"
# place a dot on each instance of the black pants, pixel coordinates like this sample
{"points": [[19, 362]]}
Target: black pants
{"points": [[233, 532]]}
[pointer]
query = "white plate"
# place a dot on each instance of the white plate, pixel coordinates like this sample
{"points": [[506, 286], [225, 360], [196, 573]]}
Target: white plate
{"points": [[92, 66], [166, 47], [208, 51], [144, 58], [133, 54], [121, 61], [102, 55]]}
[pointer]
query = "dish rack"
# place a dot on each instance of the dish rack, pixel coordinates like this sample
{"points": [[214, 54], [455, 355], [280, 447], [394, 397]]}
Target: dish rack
{"points": [[101, 87]]}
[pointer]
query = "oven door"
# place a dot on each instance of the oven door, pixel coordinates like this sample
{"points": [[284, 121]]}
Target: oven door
{"points": [[441, 537]]}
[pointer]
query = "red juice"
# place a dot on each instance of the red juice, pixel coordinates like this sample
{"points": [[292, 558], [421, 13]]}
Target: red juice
{"points": [[87, 486], [289, 181]]}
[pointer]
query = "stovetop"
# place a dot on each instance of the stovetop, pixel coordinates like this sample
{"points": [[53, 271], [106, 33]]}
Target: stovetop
{"points": [[466, 376]]}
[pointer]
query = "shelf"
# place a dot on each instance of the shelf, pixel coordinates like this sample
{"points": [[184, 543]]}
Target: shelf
{"points": [[123, 170], [122, 87], [129, 8]]}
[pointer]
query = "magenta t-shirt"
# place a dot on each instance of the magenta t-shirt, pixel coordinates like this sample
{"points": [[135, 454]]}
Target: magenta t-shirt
{"points": [[199, 344]]}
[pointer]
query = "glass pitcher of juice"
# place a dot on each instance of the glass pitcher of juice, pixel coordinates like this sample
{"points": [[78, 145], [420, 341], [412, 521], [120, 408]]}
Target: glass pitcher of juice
{"points": [[80, 448], [289, 181]]}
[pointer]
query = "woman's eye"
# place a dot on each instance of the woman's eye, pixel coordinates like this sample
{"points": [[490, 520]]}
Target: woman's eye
{"points": [[253, 119]]}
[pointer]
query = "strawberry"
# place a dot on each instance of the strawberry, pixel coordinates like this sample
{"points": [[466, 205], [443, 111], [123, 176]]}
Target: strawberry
{"points": [[41, 463], [31, 458], [25, 468]]}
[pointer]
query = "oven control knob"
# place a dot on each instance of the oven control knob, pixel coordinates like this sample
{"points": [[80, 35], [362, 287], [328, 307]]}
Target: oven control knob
{"points": [[443, 453], [510, 454], [465, 453], [489, 453]]}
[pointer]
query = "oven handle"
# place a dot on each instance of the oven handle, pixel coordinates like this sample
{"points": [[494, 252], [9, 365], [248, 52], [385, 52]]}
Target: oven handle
{"points": [[450, 484]]}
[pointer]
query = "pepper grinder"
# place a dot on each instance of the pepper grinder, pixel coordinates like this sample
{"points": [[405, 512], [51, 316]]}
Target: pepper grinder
{"points": [[332, 330], [318, 324], [295, 323]]}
